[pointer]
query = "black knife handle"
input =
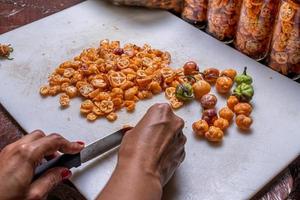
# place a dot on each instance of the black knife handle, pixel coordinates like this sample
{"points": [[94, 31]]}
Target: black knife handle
{"points": [[66, 160]]}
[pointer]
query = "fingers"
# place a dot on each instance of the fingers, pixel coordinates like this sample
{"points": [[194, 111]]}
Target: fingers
{"points": [[54, 142], [165, 113], [35, 135], [52, 156], [182, 156], [161, 110], [40, 188], [179, 150], [177, 122], [182, 139], [176, 151]]}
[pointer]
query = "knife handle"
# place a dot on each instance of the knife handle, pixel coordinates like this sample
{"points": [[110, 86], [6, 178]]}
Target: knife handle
{"points": [[66, 160]]}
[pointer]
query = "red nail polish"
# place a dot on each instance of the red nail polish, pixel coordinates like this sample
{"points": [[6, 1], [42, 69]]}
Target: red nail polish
{"points": [[66, 174], [80, 142]]}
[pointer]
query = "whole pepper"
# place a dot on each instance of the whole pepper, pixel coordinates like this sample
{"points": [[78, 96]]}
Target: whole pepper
{"points": [[184, 92], [243, 78], [244, 92], [5, 51]]}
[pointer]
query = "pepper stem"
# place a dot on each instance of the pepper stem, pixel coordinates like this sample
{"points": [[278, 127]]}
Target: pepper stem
{"points": [[184, 89], [190, 77], [245, 71]]}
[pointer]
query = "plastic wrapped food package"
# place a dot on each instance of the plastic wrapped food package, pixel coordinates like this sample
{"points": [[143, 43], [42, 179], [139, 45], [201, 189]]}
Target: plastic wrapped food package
{"points": [[285, 47], [280, 189], [255, 26], [195, 12], [175, 5], [223, 16]]}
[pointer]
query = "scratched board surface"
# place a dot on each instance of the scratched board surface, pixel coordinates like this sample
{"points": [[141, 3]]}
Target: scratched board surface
{"points": [[235, 169]]}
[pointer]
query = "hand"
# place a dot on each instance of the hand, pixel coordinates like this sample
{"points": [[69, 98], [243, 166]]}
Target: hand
{"points": [[19, 160], [148, 157], [156, 144]]}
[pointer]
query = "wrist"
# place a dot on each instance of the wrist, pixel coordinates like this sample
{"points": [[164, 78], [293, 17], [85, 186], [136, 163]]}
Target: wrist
{"points": [[140, 176], [139, 163], [131, 182]]}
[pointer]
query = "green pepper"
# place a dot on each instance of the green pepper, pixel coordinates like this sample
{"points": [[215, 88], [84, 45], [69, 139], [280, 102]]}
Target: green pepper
{"points": [[244, 92], [243, 78], [184, 92]]}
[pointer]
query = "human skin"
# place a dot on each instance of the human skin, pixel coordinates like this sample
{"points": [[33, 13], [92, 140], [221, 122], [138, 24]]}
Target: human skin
{"points": [[148, 157], [19, 160]]}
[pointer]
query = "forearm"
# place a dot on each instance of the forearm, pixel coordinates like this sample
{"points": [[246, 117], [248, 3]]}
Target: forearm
{"points": [[131, 183]]}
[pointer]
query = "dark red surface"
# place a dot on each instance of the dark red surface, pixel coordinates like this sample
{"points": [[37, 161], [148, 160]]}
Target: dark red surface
{"points": [[15, 13], [9, 131]]}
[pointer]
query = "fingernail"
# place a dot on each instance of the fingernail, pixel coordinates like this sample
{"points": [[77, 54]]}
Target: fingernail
{"points": [[80, 142], [65, 174]]}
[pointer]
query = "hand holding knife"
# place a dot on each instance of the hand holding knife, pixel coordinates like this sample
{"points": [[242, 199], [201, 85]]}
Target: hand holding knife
{"points": [[91, 151], [158, 135]]}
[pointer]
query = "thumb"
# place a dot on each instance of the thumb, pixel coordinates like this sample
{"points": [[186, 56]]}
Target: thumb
{"points": [[40, 188]]}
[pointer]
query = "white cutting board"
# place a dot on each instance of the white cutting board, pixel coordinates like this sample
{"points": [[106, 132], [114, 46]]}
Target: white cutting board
{"points": [[236, 169]]}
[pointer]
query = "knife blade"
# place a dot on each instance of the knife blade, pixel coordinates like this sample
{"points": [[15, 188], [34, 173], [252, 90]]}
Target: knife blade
{"points": [[88, 153]]}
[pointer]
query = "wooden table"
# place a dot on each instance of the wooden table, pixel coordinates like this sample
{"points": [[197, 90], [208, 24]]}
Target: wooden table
{"points": [[14, 14]]}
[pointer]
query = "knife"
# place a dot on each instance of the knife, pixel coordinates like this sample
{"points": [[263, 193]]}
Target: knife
{"points": [[89, 152]]}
